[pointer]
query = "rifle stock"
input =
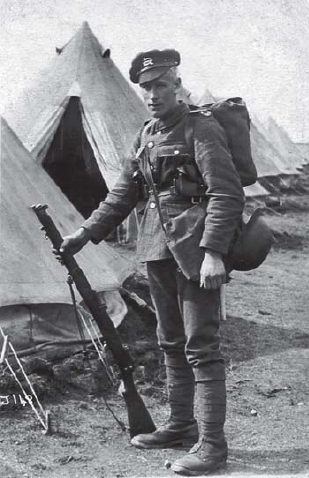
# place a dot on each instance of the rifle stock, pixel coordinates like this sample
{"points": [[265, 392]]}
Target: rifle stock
{"points": [[139, 418]]}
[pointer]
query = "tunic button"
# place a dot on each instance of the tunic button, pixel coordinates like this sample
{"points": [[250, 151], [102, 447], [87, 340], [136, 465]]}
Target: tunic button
{"points": [[159, 132], [152, 205], [150, 144]]}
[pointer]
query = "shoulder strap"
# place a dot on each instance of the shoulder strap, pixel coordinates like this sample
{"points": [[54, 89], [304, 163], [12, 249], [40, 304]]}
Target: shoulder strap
{"points": [[188, 131], [147, 125], [190, 123]]}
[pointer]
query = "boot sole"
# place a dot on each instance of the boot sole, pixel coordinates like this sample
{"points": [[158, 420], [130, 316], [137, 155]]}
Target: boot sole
{"points": [[180, 470], [187, 443]]}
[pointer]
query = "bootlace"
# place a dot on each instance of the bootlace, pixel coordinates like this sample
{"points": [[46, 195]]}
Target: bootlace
{"points": [[163, 425], [197, 445]]}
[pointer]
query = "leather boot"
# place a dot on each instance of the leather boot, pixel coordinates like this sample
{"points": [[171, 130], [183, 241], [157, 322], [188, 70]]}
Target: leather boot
{"points": [[210, 453], [181, 428]]}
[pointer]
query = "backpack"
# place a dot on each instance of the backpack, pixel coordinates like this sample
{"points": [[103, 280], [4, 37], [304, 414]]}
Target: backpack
{"points": [[233, 117]]}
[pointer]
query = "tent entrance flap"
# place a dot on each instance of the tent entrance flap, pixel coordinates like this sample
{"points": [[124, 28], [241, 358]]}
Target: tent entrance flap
{"points": [[71, 163]]}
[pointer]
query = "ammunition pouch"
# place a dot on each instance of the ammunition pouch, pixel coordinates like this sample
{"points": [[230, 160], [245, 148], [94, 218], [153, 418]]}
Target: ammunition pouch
{"points": [[141, 185], [187, 188], [181, 186]]}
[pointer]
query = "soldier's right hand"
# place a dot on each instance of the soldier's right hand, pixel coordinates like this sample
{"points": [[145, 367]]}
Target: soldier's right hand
{"points": [[75, 242]]}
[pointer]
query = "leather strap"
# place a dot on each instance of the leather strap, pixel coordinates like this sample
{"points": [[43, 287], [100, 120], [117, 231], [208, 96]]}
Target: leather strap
{"points": [[149, 178]]}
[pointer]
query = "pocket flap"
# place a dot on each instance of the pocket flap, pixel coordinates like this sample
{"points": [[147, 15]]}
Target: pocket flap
{"points": [[172, 149]]}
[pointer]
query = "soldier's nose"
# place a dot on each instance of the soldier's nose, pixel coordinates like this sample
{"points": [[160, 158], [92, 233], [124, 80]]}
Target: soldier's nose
{"points": [[153, 94]]}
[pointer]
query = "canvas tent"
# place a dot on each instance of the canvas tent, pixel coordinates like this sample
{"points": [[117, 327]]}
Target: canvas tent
{"points": [[304, 149], [79, 119], [256, 190], [206, 97], [285, 145], [185, 96], [34, 296], [279, 158], [268, 159]]}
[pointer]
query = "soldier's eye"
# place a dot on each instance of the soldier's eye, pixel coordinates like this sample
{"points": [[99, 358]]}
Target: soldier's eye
{"points": [[146, 87]]}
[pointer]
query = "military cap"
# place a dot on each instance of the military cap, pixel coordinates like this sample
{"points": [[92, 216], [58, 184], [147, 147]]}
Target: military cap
{"points": [[149, 65]]}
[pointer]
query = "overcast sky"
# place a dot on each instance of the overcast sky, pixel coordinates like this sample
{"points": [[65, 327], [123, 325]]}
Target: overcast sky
{"points": [[257, 49]]}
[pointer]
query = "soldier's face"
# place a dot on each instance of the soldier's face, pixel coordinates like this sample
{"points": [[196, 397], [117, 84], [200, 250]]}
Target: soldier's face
{"points": [[160, 95]]}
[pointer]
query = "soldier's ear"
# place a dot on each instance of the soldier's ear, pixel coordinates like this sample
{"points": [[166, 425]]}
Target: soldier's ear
{"points": [[177, 84]]}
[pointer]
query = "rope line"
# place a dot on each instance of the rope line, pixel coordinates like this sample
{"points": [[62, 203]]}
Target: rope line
{"points": [[98, 347], [99, 343], [27, 379], [26, 395], [99, 352]]}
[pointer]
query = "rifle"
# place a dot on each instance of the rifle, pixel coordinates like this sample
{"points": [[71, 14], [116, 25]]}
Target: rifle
{"points": [[139, 418]]}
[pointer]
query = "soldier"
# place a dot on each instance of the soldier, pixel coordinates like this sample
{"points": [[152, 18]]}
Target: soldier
{"points": [[187, 311]]}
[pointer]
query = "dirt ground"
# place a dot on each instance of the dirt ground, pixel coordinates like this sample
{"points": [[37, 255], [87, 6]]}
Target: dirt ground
{"points": [[266, 345]]}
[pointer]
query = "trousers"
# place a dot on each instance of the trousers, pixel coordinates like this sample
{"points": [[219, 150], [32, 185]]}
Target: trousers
{"points": [[187, 321]]}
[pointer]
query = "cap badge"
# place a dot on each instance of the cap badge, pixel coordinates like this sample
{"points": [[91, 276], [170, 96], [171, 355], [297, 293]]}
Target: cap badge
{"points": [[147, 62], [206, 113]]}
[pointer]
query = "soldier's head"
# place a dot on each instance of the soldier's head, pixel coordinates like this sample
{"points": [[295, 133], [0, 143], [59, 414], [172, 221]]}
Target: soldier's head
{"points": [[157, 75]]}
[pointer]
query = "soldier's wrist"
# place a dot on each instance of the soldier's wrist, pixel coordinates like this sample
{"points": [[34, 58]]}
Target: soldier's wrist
{"points": [[213, 253], [83, 233]]}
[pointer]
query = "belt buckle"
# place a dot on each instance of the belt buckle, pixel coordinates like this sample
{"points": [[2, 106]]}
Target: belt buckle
{"points": [[196, 199], [173, 189]]}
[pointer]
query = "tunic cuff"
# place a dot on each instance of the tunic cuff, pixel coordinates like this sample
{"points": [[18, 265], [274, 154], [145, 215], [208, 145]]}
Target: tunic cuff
{"points": [[208, 242], [96, 230]]}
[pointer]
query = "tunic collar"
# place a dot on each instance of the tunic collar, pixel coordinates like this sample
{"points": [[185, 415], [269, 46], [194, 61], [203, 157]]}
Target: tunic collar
{"points": [[180, 110]]}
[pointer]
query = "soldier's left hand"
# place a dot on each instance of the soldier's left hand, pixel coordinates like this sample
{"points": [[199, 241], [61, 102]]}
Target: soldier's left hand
{"points": [[212, 273]]}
